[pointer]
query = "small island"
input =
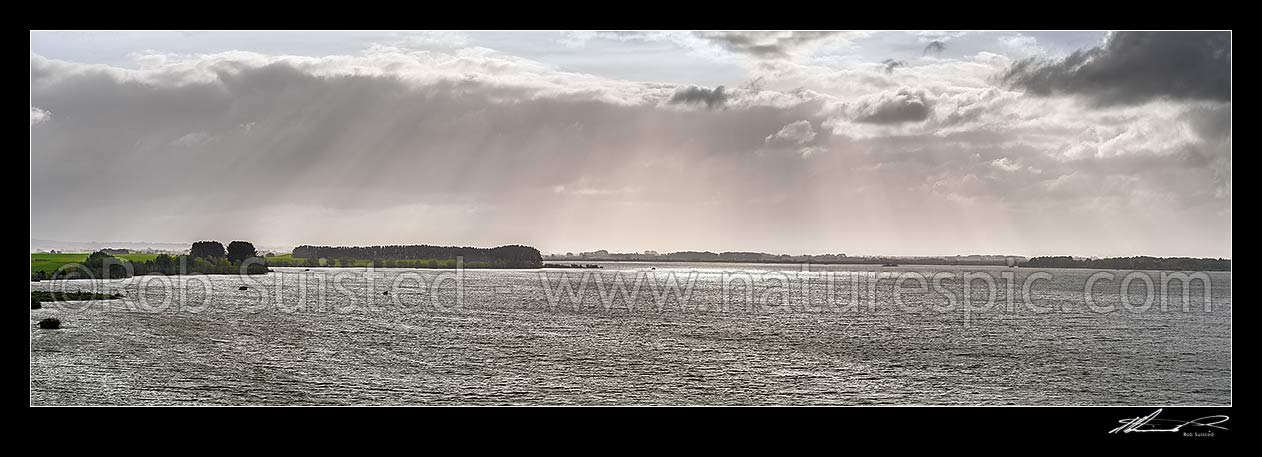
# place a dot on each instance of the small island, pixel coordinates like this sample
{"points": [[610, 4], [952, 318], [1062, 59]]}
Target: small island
{"points": [[38, 297], [411, 256]]}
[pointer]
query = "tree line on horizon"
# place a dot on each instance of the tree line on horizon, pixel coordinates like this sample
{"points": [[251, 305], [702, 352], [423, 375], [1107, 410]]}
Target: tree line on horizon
{"points": [[1132, 263], [511, 256]]}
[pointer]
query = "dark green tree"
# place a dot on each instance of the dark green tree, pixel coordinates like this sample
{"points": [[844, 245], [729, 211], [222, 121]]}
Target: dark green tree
{"points": [[240, 250], [207, 249], [164, 264], [104, 265]]}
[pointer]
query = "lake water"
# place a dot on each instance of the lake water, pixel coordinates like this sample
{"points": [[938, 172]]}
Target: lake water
{"points": [[833, 335]]}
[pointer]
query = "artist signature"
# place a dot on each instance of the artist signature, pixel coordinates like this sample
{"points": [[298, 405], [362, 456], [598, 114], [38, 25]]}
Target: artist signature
{"points": [[1151, 423]]}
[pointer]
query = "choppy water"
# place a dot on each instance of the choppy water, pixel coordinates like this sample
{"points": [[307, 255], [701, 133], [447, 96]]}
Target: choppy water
{"points": [[504, 342]]}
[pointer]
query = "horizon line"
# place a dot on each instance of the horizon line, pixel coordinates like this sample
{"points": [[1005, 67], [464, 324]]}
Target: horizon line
{"points": [[641, 252]]}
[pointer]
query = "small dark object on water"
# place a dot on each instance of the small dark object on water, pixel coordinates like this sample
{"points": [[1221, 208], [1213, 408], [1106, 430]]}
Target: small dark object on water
{"points": [[35, 304], [385, 293], [50, 323], [243, 288], [890, 265]]}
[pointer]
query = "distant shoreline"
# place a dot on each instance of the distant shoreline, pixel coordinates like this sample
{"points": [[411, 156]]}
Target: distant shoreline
{"points": [[919, 263]]}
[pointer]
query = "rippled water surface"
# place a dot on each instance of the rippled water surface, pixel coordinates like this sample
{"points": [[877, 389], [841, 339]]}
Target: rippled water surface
{"points": [[502, 341]]}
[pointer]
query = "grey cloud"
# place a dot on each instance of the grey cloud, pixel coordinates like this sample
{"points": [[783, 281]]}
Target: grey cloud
{"points": [[891, 64], [256, 138], [935, 47], [1211, 123], [971, 107], [903, 105], [1134, 67], [767, 45], [711, 98], [1032, 178], [755, 84]]}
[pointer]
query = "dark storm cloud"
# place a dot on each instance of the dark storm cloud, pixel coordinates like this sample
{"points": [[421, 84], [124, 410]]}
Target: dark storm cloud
{"points": [[769, 45], [891, 64], [711, 98], [935, 47], [1135, 67], [904, 105]]}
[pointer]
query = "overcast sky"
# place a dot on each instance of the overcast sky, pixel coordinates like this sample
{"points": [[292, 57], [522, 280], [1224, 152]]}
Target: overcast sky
{"points": [[900, 143]]}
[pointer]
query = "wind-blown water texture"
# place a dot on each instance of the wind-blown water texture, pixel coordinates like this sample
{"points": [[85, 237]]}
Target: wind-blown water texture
{"points": [[507, 346]]}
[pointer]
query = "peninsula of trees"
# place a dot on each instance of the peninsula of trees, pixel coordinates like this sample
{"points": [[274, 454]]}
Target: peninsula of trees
{"points": [[421, 256]]}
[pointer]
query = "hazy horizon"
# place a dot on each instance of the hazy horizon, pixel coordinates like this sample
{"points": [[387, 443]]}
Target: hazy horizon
{"points": [[866, 143], [280, 248]]}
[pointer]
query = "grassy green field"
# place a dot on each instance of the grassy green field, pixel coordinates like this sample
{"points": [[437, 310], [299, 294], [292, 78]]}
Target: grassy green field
{"points": [[49, 263]]}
